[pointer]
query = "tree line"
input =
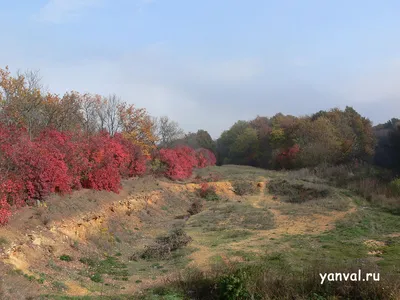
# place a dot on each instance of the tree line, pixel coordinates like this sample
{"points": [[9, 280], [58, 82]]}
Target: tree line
{"points": [[327, 137]]}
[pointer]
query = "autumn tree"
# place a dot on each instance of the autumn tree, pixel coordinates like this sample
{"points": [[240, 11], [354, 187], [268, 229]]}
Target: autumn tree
{"points": [[137, 126], [21, 100], [62, 113], [318, 142], [355, 133], [167, 131]]}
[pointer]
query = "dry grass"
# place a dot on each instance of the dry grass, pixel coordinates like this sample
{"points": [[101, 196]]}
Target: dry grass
{"points": [[232, 215]]}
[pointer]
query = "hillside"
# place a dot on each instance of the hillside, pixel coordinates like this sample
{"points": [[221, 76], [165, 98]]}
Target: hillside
{"points": [[92, 243]]}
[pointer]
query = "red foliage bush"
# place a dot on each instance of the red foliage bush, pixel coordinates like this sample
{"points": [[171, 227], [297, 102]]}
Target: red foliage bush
{"points": [[205, 158], [204, 189], [106, 157], [180, 162], [5, 210], [42, 170], [74, 147], [135, 162], [57, 162], [287, 158], [208, 192], [10, 194]]}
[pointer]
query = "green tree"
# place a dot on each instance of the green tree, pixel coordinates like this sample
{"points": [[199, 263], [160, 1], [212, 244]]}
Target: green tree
{"points": [[244, 150], [227, 139]]}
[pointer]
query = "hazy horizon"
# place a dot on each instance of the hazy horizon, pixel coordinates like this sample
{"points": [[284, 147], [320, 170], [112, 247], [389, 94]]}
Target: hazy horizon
{"points": [[208, 64]]}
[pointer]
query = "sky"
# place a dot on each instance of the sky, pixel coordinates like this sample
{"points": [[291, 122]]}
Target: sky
{"points": [[207, 64]]}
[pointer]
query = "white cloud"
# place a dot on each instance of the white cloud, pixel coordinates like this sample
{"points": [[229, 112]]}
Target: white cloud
{"points": [[58, 11]]}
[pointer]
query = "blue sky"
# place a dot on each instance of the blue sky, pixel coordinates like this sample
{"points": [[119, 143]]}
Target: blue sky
{"points": [[209, 63]]}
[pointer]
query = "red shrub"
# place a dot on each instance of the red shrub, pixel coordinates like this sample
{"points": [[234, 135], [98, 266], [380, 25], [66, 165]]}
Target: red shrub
{"points": [[62, 161], [135, 162], [287, 158], [5, 212], [105, 157], [208, 192], [11, 193], [204, 187], [41, 169], [180, 162], [205, 158], [59, 162], [74, 147]]}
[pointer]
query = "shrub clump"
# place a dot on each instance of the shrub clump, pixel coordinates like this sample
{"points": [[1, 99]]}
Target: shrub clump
{"points": [[297, 192], [208, 192], [59, 162], [164, 245], [65, 257], [243, 187], [179, 162]]}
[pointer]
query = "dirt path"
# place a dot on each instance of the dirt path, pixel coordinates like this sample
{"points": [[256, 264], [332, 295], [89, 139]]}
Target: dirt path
{"points": [[293, 225], [284, 225]]}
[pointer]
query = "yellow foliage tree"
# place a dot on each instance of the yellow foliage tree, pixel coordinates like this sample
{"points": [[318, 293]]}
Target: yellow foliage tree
{"points": [[21, 99], [137, 126]]}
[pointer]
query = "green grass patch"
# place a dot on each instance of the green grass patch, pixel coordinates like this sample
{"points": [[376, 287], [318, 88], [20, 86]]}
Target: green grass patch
{"points": [[109, 266], [65, 257]]}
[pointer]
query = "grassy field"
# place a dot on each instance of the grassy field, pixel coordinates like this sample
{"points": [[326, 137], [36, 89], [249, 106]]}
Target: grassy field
{"points": [[266, 235]]}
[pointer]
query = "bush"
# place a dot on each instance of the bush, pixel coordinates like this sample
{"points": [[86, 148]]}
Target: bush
{"points": [[297, 192], [58, 162], [96, 277], [164, 245], [134, 163], [208, 192], [179, 161], [339, 175], [233, 286], [196, 207], [205, 158], [65, 257], [242, 187]]}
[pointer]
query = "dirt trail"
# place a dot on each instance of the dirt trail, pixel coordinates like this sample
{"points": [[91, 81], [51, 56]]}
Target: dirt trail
{"points": [[292, 225], [284, 225]]}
